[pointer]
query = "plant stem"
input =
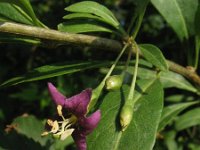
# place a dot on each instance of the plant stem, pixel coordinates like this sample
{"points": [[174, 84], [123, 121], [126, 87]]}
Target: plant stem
{"points": [[97, 91], [129, 100], [127, 62], [126, 113], [52, 38]]}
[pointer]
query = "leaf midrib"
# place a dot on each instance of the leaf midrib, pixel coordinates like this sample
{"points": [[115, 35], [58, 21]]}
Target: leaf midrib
{"points": [[180, 83], [182, 18]]}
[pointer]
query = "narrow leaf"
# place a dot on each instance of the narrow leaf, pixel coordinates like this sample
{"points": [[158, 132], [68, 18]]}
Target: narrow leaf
{"points": [[170, 112], [82, 15], [141, 133], [50, 71], [137, 15], [4, 37], [26, 7], [12, 13], [188, 119], [96, 9], [170, 140], [172, 79], [197, 20], [154, 56], [80, 26], [173, 14], [168, 79], [189, 9]]}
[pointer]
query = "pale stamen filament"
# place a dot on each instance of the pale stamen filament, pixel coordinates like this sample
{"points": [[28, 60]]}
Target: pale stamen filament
{"points": [[61, 128]]}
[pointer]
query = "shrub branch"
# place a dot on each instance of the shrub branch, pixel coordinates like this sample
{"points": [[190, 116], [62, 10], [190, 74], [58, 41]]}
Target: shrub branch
{"points": [[54, 38]]}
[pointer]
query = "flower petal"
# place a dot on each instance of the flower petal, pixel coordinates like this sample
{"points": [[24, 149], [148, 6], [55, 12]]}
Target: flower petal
{"points": [[80, 140], [78, 104], [57, 97], [90, 123]]}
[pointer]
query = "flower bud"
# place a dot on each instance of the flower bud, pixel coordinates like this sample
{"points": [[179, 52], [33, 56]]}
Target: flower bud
{"points": [[126, 116], [114, 82]]}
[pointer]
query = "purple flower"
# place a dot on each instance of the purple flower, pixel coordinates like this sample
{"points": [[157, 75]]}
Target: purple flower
{"points": [[75, 122]]}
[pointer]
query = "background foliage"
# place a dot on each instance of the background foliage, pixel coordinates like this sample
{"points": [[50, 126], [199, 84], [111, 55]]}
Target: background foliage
{"points": [[170, 27]]}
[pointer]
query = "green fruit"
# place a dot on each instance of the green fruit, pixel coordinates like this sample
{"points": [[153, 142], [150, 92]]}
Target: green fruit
{"points": [[113, 82], [126, 115]]}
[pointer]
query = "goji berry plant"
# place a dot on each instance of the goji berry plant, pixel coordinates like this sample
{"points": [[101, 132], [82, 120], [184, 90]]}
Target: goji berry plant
{"points": [[111, 75]]}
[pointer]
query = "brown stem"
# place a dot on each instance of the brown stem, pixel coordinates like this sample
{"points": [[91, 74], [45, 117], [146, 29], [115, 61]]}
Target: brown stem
{"points": [[55, 38]]}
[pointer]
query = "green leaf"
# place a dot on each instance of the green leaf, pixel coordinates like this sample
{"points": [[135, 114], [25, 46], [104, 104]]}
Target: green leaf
{"points": [[137, 16], [81, 26], [189, 9], [179, 14], [50, 71], [170, 140], [31, 127], [197, 20], [197, 38], [154, 56], [188, 119], [10, 12], [172, 79], [141, 132], [26, 8], [170, 112], [83, 16], [168, 79], [96, 9], [11, 38]]}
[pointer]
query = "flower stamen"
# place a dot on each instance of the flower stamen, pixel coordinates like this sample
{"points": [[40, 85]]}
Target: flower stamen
{"points": [[61, 129]]}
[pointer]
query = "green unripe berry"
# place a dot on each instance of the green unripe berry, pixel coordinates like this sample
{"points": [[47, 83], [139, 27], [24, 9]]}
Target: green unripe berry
{"points": [[126, 115], [113, 82]]}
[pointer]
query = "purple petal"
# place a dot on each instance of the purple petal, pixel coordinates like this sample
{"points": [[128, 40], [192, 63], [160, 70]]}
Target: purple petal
{"points": [[78, 104], [80, 140], [57, 97], [90, 123]]}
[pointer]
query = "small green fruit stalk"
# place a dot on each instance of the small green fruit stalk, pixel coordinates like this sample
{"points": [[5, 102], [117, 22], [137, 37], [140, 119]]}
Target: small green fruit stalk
{"points": [[114, 82], [126, 115]]}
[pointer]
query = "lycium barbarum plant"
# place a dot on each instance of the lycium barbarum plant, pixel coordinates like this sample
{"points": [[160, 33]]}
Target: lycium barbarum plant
{"points": [[130, 118]]}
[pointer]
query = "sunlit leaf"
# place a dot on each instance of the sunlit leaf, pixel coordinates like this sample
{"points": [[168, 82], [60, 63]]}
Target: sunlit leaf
{"points": [[179, 14], [96, 9], [82, 15], [154, 56], [80, 26], [25, 8], [141, 132], [12, 13]]}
